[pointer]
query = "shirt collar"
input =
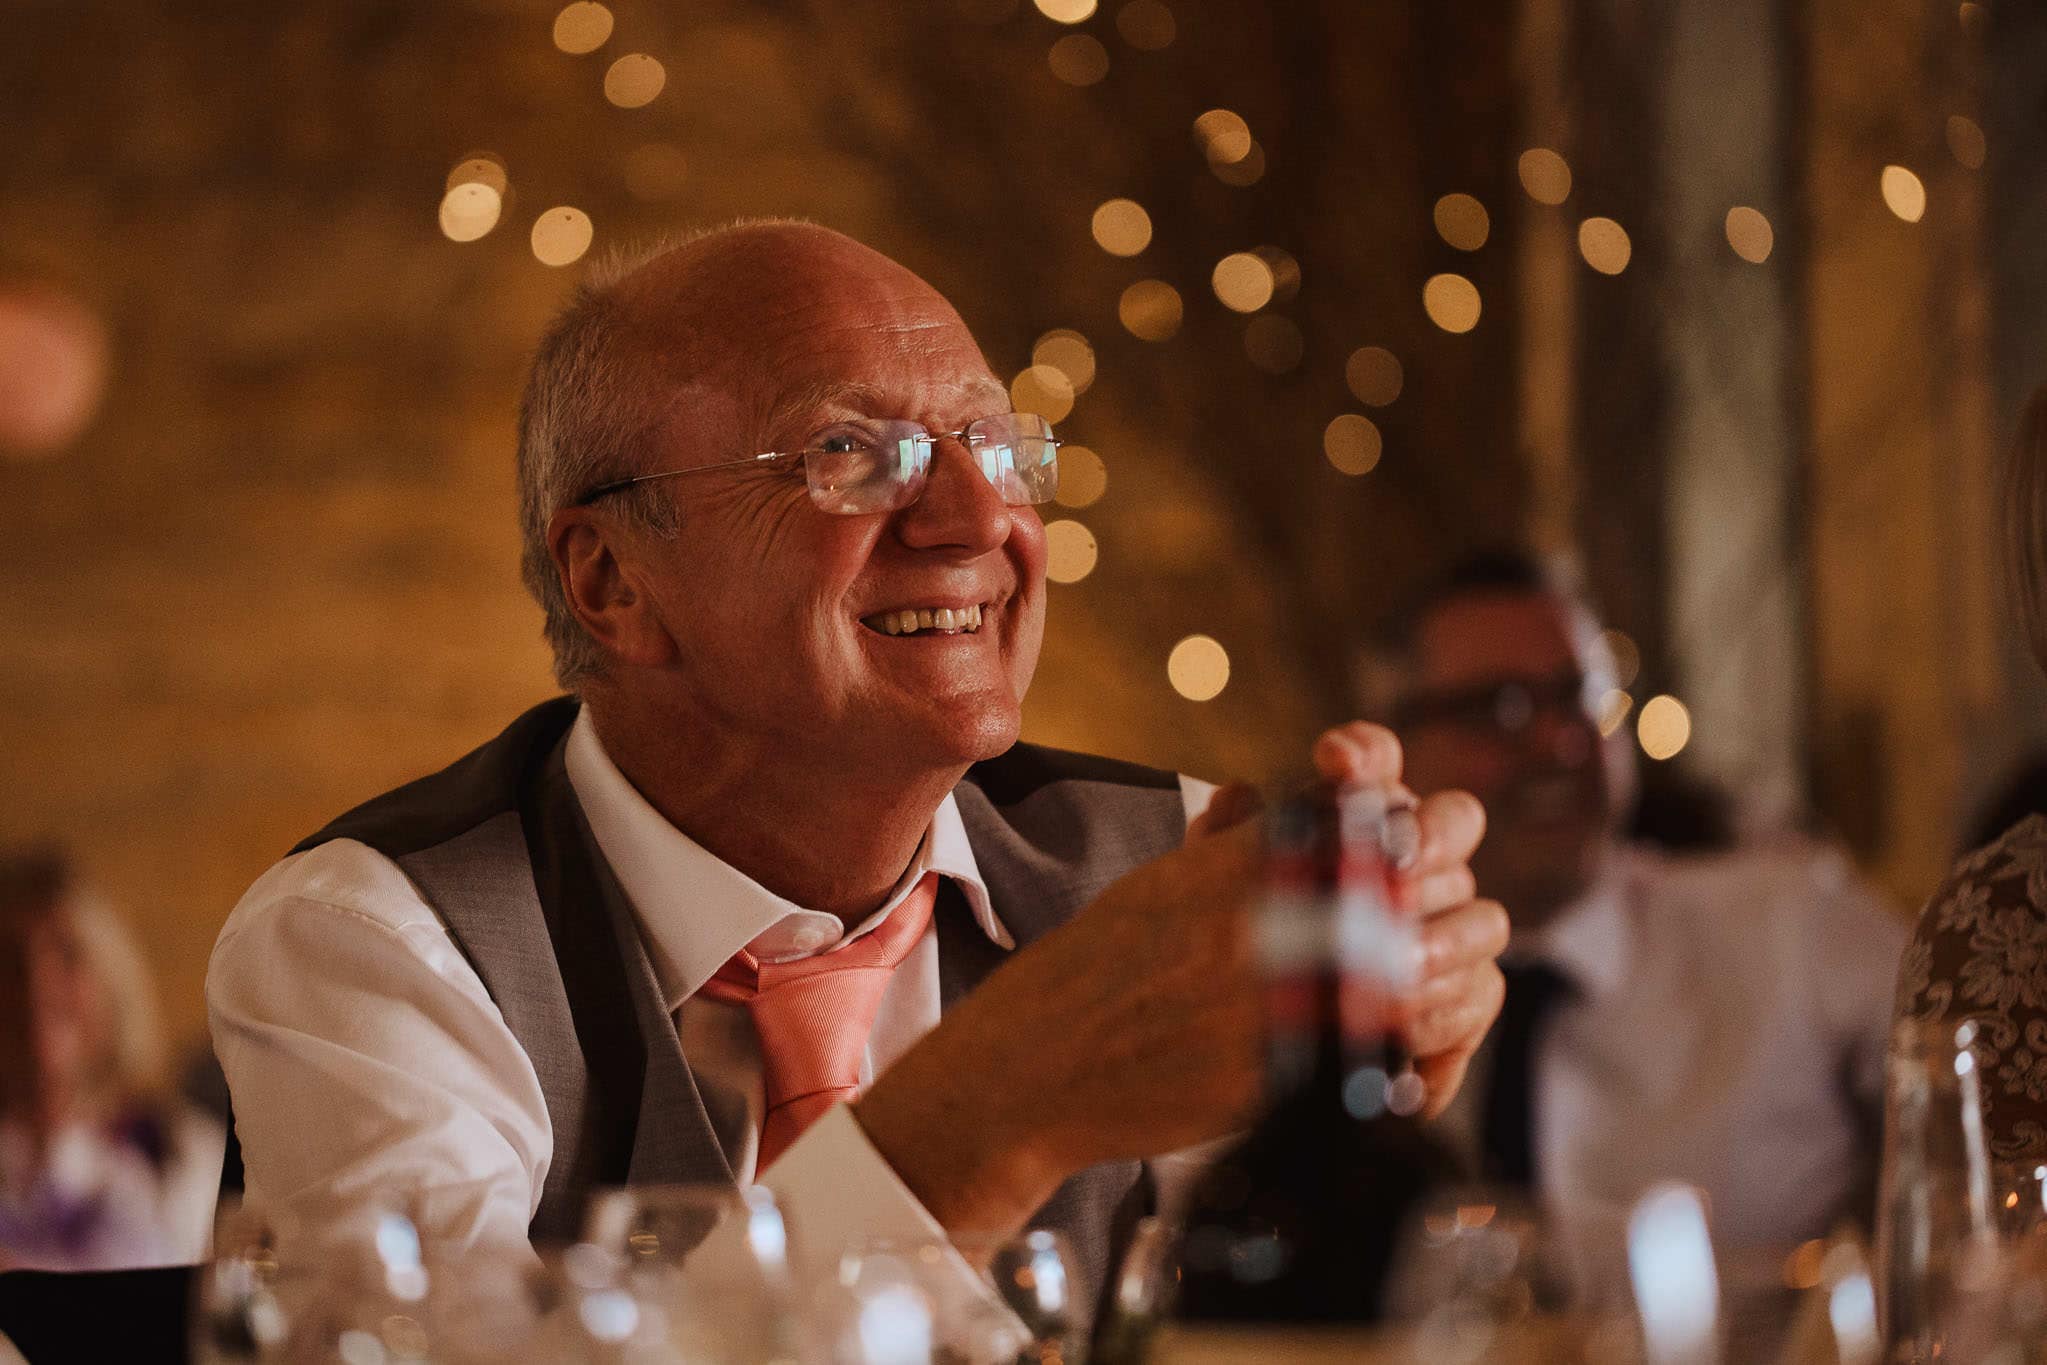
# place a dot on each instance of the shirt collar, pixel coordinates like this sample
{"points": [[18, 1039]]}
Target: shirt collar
{"points": [[695, 911], [1590, 941]]}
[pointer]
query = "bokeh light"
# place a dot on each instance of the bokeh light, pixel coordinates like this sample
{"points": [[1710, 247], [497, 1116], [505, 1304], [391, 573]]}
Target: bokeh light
{"points": [[1243, 282], [1545, 175], [1067, 11], [1150, 310], [1605, 246], [1224, 136], [1070, 551], [1462, 222], [1198, 668], [1625, 653], [469, 211], [1043, 390], [1083, 478], [1147, 25], [1068, 352], [1904, 193], [1122, 227], [56, 373], [1750, 234], [481, 168], [656, 172], [1286, 271], [561, 236], [1451, 302], [634, 80], [582, 27], [1966, 142], [1248, 171], [1973, 17], [1613, 710], [1079, 59], [1352, 444], [1664, 727], [1274, 344], [1374, 375]]}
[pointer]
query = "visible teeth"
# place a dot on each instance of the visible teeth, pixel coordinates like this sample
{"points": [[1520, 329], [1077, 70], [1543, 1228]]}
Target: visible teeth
{"points": [[910, 620]]}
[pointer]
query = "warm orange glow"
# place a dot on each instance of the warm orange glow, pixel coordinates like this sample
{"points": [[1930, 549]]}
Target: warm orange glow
{"points": [[1066, 11], [1462, 222], [56, 372], [1451, 302], [1198, 668], [1223, 135], [1545, 175], [1043, 390], [1147, 25], [1273, 343], [480, 168], [1613, 710], [1966, 142], [1083, 478], [1625, 655], [634, 81], [1352, 443], [1664, 727], [1150, 309], [1122, 227], [1605, 246], [1243, 282], [1070, 551], [1904, 193], [561, 236], [1079, 59], [1248, 171], [1374, 375], [582, 27], [1068, 352], [1286, 272], [1750, 234], [469, 211]]}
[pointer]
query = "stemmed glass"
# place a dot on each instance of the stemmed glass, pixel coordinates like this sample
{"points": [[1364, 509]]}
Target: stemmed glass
{"points": [[1026, 1307], [707, 1265]]}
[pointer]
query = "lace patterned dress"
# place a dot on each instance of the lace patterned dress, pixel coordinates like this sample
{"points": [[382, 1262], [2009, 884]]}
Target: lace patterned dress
{"points": [[1980, 952]]}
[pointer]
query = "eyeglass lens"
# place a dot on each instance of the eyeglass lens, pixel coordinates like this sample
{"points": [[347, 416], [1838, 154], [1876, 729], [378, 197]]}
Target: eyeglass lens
{"points": [[885, 467]]}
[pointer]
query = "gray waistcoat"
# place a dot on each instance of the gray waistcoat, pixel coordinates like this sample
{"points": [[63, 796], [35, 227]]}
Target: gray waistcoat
{"points": [[498, 845]]}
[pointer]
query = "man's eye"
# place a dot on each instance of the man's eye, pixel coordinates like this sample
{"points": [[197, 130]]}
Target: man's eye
{"points": [[843, 442]]}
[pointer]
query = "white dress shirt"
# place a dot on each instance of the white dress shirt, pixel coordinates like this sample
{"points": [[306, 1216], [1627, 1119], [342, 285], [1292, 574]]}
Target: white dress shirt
{"points": [[366, 1056], [1728, 1030]]}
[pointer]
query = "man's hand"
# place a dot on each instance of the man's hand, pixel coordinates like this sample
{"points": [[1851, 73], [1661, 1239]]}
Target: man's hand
{"points": [[1133, 1030]]}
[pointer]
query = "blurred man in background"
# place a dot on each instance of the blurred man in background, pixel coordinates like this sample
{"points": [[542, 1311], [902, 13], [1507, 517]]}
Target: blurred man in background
{"points": [[1717, 1018]]}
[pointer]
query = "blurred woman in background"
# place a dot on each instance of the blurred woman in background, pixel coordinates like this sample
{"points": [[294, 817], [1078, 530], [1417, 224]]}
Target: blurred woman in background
{"points": [[101, 1168], [1980, 952]]}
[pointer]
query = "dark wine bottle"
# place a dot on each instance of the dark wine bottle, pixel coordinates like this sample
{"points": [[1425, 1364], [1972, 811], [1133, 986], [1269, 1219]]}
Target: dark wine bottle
{"points": [[1301, 1222]]}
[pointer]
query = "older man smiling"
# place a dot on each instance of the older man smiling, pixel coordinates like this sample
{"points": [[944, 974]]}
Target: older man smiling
{"points": [[777, 894]]}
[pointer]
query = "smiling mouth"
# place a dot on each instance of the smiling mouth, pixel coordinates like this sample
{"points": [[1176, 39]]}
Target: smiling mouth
{"points": [[925, 620]]}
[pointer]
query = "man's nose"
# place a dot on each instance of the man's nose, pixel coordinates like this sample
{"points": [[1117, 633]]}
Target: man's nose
{"points": [[959, 506]]}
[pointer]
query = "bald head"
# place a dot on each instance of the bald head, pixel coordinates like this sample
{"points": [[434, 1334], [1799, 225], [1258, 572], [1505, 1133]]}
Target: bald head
{"points": [[695, 351]]}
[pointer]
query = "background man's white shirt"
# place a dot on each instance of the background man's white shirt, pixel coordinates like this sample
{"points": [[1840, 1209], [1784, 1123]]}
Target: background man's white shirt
{"points": [[365, 1055]]}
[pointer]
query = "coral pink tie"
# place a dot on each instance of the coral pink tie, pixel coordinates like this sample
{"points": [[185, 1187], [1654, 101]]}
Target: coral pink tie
{"points": [[814, 1015]]}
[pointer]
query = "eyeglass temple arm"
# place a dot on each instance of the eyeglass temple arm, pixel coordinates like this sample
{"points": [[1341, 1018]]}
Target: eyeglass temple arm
{"points": [[605, 489]]}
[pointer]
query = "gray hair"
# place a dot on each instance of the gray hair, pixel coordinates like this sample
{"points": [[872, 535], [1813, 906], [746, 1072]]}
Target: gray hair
{"points": [[583, 422]]}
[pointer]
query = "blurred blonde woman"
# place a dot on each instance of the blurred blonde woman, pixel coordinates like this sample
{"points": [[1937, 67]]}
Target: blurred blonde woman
{"points": [[101, 1168], [1980, 952]]}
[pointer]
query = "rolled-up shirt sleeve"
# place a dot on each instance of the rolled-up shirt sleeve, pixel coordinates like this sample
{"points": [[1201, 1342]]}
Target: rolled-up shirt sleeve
{"points": [[367, 1060]]}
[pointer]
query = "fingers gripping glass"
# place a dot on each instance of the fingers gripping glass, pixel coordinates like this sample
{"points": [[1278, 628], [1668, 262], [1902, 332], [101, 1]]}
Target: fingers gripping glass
{"points": [[856, 468]]}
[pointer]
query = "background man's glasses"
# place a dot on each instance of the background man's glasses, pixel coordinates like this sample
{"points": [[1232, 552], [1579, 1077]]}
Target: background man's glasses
{"points": [[856, 468], [1507, 707]]}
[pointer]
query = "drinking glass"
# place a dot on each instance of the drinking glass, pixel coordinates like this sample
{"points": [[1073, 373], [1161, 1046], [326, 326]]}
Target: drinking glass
{"points": [[236, 1312], [1026, 1309], [1936, 1239], [1143, 1295], [709, 1263]]}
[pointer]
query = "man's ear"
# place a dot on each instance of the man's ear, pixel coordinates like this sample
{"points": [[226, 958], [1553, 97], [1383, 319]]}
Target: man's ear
{"points": [[599, 575]]}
